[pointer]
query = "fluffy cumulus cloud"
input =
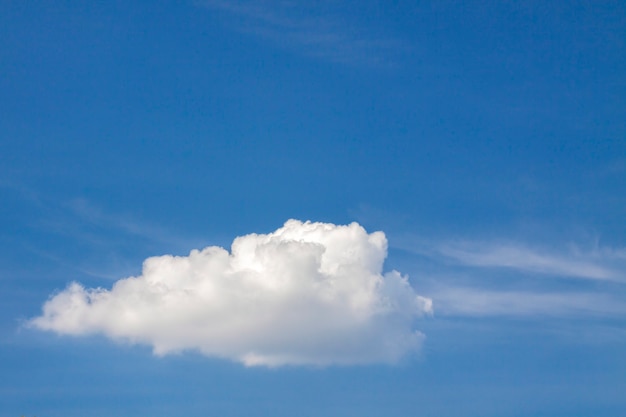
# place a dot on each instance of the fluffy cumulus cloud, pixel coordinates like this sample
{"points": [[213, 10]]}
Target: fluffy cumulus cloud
{"points": [[308, 293]]}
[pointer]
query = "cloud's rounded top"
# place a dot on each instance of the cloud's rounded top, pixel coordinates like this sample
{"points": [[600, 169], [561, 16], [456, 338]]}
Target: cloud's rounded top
{"points": [[308, 293]]}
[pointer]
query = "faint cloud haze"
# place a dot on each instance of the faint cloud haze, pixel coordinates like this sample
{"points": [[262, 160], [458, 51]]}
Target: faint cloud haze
{"points": [[307, 293], [598, 263], [522, 258], [307, 28], [460, 301], [459, 286]]}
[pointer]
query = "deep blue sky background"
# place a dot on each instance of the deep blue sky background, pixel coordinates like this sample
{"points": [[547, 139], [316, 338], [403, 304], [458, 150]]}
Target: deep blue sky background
{"points": [[487, 139]]}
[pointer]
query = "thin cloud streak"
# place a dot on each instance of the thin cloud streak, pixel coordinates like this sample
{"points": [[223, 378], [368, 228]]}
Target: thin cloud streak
{"points": [[470, 294], [600, 263], [104, 238], [321, 36], [460, 301], [526, 259], [94, 215]]}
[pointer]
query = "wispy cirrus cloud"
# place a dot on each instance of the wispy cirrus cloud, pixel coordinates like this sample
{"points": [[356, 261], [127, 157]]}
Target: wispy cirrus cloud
{"points": [[569, 264], [463, 272], [97, 241], [480, 302], [308, 28], [90, 213], [597, 263]]}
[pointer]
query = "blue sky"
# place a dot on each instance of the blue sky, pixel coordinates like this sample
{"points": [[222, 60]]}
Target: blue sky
{"points": [[486, 140]]}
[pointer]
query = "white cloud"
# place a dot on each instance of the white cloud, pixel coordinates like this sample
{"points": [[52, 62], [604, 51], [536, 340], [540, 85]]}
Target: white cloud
{"points": [[308, 293]]}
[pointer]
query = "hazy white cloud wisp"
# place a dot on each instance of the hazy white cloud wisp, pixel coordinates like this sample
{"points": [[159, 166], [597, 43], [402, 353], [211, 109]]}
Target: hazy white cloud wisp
{"points": [[309, 28], [522, 258], [308, 293], [480, 302], [600, 263]]}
